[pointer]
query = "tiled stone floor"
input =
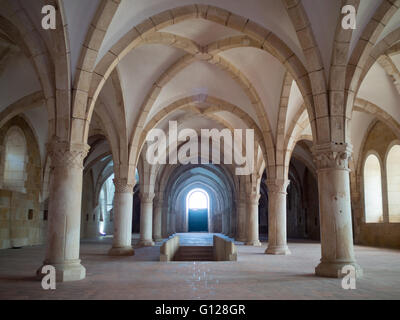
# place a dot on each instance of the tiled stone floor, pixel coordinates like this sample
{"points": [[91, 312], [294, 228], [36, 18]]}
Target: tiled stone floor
{"points": [[254, 276]]}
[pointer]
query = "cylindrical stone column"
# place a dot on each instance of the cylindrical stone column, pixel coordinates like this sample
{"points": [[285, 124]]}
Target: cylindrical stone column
{"points": [[65, 199], [165, 222], [252, 220], [123, 207], [241, 221], [335, 210], [171, 223], [225, 223], [232, 232], [277, 239], [157, 218], [146, 220]]}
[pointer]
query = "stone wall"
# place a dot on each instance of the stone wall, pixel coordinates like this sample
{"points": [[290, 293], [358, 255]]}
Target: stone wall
{"points": [[20, 220], [378, 140], [380, 234], [169, 248], [223, 249], [21, 213]]}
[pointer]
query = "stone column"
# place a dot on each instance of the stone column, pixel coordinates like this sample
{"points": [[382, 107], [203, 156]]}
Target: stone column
{"points": [[225, 223], [172, 223], [65, 201], [123, 206], [335, 210], [165, 222], [232, 232], [277, 239], [252, 220], [146, 220], [241, 221], [157, 218]]}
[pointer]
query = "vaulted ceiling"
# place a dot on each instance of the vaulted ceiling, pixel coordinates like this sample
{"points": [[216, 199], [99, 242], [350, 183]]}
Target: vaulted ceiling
{"points": [[200, 71]]}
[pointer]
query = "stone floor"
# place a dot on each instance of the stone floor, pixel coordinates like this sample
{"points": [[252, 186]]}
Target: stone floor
{"points": [[254, 276]]}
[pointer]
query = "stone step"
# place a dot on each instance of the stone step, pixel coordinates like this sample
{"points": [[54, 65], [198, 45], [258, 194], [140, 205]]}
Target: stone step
{"points": [[195, 248], [178, 258], [195, 253]]}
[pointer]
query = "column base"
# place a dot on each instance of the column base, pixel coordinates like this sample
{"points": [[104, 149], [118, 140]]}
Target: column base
{"points": [[146, 243], [121, 251], [278, 250], [158, 239], [255, 243], [334, 269], [67, 271]]}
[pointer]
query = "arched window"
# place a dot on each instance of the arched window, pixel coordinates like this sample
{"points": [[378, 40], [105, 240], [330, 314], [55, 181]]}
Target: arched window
{"points": [[106, 203], [373, 190], [137, 175], [15, 160], [393, 183]]}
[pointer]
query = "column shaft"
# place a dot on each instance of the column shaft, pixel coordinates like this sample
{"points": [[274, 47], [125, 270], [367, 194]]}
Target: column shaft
{"points": [[232, 231], [277, 239], [225, 223], [65, 201], [252, 220], [146, 220], [172, 224], [123, 206], [157, 219], [241, 221], [335, 211], [165, 222]]}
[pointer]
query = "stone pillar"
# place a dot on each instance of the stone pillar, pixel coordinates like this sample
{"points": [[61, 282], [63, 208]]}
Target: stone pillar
{"points": [[146, 220], [172, 223], [165, 222], [157, 218], [241, 221], [277, 239], [123, 206], [65, 201], [232, 232], [252, 220], [335, 210], [225, 223]]}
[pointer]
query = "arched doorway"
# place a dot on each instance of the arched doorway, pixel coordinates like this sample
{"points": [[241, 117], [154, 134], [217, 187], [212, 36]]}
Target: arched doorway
{"points": [[197, 208]]}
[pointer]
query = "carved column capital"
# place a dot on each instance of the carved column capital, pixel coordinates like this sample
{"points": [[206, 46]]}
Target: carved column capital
{"points": [[278, 186], [332, 156], [122, 185], [147, 197], [64, 154], [253, 197]]}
